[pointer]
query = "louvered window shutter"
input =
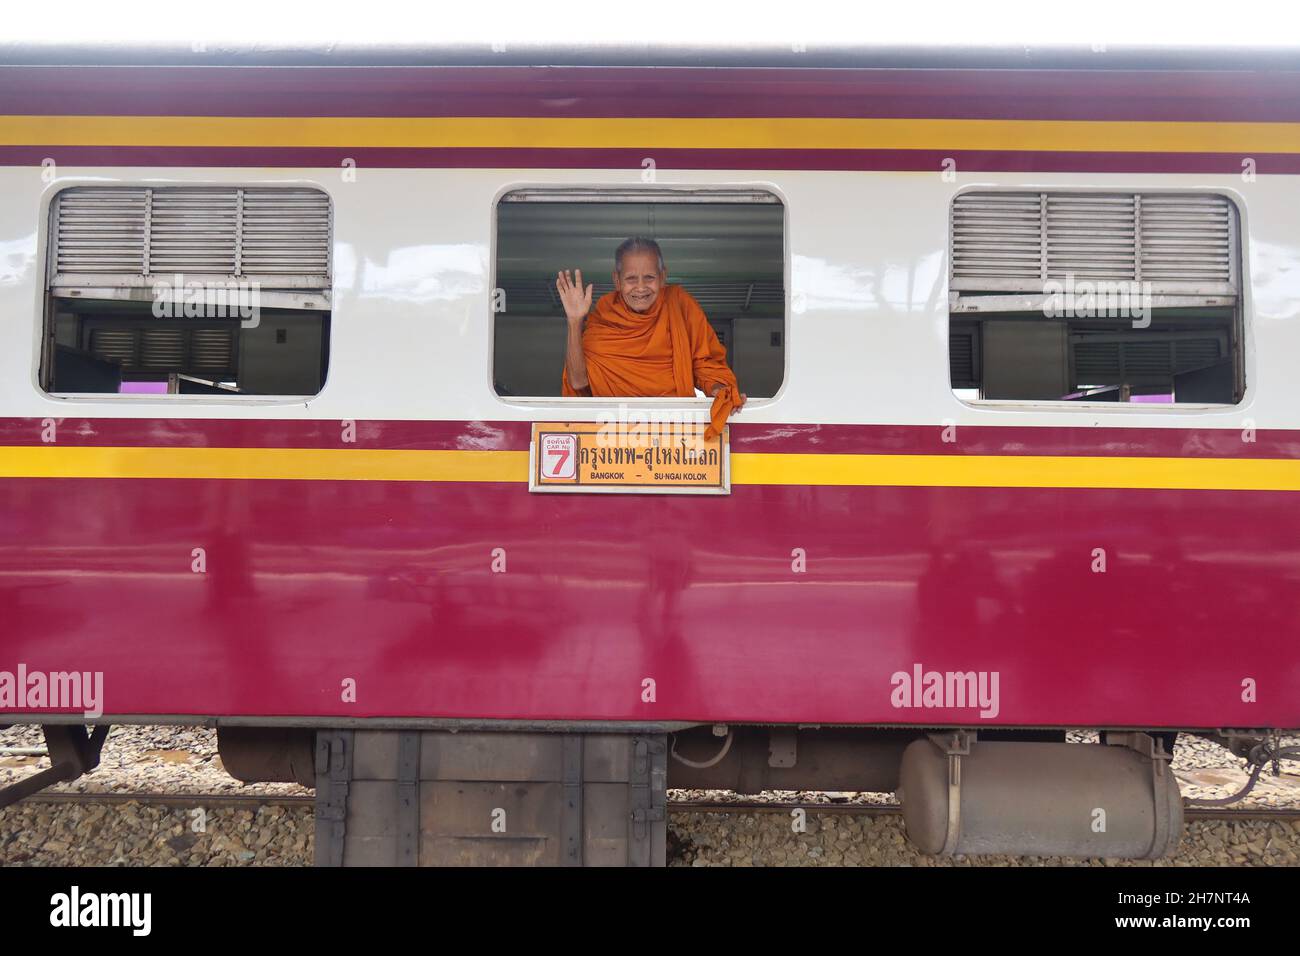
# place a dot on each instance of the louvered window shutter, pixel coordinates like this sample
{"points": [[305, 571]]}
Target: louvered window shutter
{"points": [[195, 351], [1009, 248], [108, 238], [963, 355], [1101, 359]]}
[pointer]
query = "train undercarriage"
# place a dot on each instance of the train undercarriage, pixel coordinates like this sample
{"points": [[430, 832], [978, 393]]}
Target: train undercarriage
{"points": [[598, 796]]}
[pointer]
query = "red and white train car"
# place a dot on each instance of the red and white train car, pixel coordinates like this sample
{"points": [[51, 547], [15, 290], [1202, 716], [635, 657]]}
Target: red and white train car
{"points": [[1021, 452]]}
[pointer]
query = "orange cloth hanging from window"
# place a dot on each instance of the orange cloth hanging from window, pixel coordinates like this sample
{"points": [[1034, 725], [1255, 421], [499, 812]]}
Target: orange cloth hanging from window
{"points": [[669, 350]]}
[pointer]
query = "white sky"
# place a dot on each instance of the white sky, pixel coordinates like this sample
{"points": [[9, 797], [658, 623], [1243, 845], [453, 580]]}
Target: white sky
{"points": [[1115, 23]]}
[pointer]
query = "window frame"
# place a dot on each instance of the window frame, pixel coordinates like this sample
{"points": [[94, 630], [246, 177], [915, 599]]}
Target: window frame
{"points": [[47, 238], [1243, 353], [587, 192]]}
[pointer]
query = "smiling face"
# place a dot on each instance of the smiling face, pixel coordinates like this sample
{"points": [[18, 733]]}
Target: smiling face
{"points": [[641, 280]]}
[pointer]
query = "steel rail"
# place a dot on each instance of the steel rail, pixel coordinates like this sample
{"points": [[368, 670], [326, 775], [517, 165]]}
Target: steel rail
{"points": [[674, 806]]}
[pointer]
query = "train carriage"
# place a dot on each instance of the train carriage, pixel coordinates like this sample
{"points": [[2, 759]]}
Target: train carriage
{"points": [[280, 345]]}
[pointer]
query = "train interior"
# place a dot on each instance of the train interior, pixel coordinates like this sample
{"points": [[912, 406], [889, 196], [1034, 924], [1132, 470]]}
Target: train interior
{"points": [[117, 346], [728, 255], [1185, 355]]}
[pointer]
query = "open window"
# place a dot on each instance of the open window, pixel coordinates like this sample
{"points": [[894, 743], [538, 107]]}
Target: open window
{"points": [[724, 246], [1115, 297], [187, 290]]}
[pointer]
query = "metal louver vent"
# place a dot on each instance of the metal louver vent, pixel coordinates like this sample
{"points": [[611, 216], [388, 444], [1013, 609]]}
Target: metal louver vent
{"points": [[162, 348], [1197, 353], [153, 349], [1007, 242], [1188, 238], [1091, 237], [115, 345], [101, 231], [194, 231], [963, 357], [1098, 363], [286, 232], [1110, 360], [210, 349], [997, 235], [121, 237]]}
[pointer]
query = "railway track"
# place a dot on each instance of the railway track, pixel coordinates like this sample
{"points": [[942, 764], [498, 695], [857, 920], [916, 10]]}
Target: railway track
{"points": [[253, 801], [249, 801], [886, 810]]}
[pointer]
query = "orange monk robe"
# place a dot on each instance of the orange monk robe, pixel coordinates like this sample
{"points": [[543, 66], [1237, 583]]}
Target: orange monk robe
{"points": [[669, 350]]}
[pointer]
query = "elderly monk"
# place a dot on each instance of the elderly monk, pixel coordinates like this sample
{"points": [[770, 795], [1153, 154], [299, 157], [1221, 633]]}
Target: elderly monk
{"points": [[645, 338]]}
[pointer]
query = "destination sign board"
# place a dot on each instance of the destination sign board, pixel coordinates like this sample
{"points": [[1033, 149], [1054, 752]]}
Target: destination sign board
{"points": [[596, 457]]}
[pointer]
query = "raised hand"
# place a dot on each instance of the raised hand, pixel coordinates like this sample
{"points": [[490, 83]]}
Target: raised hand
{"points": [[576, 300]]}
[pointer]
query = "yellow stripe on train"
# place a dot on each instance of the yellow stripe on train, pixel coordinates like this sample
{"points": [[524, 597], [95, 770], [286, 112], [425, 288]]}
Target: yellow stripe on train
{"points": [[359, 464], [1018, 471], [298, 464]]}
